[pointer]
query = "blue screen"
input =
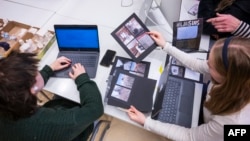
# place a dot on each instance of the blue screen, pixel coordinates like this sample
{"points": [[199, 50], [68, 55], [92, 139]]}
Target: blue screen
{"points": [[77, 38], [188, 32]]}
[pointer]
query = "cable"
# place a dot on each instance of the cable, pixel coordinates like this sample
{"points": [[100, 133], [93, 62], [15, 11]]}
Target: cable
{"points": [[128, 4]]}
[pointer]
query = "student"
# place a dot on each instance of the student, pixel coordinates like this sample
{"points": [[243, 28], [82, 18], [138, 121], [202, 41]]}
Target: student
{"points": [[208, 9], [229, 23], [228, 95], [21, 119]]}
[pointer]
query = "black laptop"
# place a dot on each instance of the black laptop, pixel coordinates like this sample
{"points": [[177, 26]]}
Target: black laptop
{"points": [[177, 101], [80, 43]]}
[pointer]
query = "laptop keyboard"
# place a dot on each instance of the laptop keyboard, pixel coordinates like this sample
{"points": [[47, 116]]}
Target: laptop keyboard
{"points": [[87, 61], [169, 104]]}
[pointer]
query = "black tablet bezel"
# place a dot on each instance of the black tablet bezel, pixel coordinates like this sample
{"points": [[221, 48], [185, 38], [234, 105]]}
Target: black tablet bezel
{"points": [[135, 38]]}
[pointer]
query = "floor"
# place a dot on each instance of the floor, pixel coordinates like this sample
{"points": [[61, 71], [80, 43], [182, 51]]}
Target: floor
{"points": [[121, 131]]}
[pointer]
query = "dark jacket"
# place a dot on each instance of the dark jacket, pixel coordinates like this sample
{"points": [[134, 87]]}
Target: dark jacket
{"points": [[59, 119], [239, 9]]}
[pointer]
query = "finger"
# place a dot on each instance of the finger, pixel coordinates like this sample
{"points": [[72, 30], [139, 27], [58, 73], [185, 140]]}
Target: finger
{"points": [[210, 20], [71, 75], [133, 108]]}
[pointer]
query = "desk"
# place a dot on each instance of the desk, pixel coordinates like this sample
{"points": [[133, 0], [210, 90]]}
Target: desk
{"points": [[66, 87], [106, 14]]}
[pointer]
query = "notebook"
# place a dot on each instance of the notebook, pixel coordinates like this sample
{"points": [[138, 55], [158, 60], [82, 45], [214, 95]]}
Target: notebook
{"points": [[187, 34], [177, 101], [80, 43], [127, 89]]}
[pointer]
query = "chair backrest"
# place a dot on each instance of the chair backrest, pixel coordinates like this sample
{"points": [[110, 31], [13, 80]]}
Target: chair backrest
{"points": [[99, 131]]}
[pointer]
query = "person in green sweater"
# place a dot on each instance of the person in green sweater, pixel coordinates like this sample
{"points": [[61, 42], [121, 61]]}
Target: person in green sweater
{"points": [[21, 119]]}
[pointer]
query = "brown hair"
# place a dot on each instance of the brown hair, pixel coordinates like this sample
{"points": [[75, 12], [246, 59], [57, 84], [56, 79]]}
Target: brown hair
{"points": [[17, 76], [223, 4], [234, 92]]}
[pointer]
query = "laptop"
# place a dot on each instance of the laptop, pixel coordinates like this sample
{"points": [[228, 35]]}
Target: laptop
{"points": [[80, 43], [178, 100]]}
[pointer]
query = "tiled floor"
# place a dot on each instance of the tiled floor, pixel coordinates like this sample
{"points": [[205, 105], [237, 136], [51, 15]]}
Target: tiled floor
{"points": [[121, 131]]}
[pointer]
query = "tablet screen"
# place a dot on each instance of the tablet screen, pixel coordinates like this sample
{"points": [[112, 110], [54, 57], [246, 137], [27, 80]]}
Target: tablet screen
{"points": [[133, 38]]}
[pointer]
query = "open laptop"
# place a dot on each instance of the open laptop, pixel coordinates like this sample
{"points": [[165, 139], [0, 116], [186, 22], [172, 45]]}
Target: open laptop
{"points": [[80, 43], [177, 101]]}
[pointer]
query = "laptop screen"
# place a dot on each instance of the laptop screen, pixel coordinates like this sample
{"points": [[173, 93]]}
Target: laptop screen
{"points": [[77, 37], [188, 32]]}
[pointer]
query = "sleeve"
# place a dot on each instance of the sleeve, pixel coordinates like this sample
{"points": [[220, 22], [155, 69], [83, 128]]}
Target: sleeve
{"points": [[46, 72], [90, 97], [186, 59], [211, 131], [65, 115], [243, 30]]}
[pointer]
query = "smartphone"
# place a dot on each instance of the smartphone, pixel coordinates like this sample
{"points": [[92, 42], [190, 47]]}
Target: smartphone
{"points": [[108, 58]]}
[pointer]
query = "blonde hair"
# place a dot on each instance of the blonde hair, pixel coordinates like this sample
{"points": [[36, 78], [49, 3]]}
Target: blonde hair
{"points": [[234, 92], [223, 4]]}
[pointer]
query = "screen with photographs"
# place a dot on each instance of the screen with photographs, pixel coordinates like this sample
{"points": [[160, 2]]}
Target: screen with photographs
{"points": [[133, 38], [178, 70], [123, 86], [139, 69]]}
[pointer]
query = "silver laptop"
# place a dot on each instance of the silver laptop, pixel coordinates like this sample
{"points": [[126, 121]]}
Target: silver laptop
{"points": [[80, 43], [178, 101]]}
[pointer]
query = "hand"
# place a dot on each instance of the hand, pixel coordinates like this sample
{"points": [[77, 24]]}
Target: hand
{"points": [[159, 39], [225, 22], [60, 63], [77, 69], [136, 115]]}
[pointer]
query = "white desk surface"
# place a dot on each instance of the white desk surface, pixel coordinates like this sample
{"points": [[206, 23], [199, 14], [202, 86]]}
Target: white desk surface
{"points": [[106, 14], [24, 14], [50, 5]]}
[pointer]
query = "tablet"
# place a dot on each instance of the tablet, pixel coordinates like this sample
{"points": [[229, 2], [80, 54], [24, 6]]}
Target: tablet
{"points": [[133, 38]]}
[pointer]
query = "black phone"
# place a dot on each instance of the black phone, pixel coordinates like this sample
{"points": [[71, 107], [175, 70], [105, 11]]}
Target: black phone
{"points": [[108, 58]]}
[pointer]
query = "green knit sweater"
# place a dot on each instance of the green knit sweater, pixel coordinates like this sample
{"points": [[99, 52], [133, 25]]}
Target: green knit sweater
{"points": [[59, 119]]}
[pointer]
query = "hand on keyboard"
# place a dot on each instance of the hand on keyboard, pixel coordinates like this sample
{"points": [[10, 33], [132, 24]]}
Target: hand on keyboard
{"points": [[77, 69], [60, 63]]}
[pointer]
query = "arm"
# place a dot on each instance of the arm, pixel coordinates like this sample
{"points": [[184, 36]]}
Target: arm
{"points": [[63, 115], [58, 64], [239, 9], [211, 131], [46, 72], [229, 23], [186, 59], [225, 22]]}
